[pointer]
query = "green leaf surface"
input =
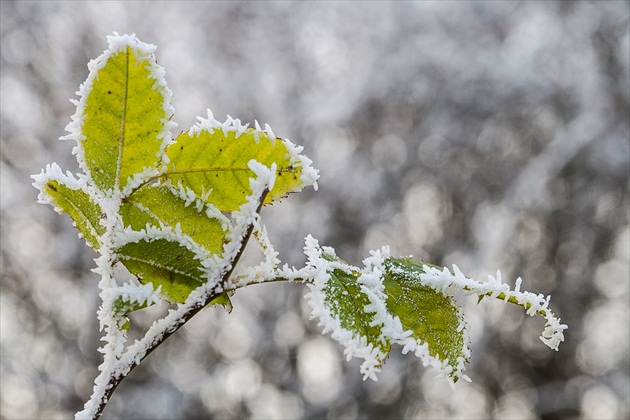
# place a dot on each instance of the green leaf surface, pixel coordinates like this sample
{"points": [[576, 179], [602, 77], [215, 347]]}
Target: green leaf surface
{"points": [[346, 302], [123, 307], [216, 162], [224, 300], [163, 262], [432, 317], [156, 204], [79, 206], [124, 117]]}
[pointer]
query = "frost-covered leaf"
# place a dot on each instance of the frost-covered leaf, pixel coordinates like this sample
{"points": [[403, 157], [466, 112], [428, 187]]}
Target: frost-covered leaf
{"points": [[121, 124], [367, 310], [347, 301], [432, 317], [164, 263], [212, 160], [69, 196], [122, 306], [157, 206], [224, 300]]}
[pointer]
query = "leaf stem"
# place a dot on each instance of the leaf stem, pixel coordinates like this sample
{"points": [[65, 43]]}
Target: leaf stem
{"points": [[143, 348], [511, 299]]}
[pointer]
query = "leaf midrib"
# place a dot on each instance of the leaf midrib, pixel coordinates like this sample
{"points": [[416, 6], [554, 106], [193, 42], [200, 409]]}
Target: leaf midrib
{"points": [[121, 142]]}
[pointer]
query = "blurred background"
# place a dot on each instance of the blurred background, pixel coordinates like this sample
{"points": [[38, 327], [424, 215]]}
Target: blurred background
{"points": [[492, 135]]}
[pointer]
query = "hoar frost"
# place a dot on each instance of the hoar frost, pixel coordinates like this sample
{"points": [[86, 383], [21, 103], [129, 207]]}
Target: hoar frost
{"points": [[358, 306]]}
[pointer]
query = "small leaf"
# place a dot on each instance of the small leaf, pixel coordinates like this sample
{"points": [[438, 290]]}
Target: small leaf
{"points": [[163, 263], [157, 205], [126, 325], [224, 300], [123, 131], [123, 307], [78, 204], [213, 163]]}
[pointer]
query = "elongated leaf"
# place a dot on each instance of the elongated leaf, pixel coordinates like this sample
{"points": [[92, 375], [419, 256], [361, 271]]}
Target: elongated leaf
{"points": [[156, 204], [432, 317], [79, 206], [213, 163], [163, 262], [124, 118]]}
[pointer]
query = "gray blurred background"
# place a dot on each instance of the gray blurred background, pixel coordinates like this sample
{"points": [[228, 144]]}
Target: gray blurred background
{"points": [[492, 135]]}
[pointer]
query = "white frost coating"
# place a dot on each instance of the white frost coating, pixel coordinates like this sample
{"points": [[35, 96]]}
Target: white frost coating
{"points": [[308, 175], [152, 233], [271, 134], [139, 293], [54, 173], [135, 181], [355, 345], [266, 270], [118, 43], [370, 279], [189, 197], [209, 124], [390, 326], [264, 174], [450, 283], [117, 360], [186, 194]]}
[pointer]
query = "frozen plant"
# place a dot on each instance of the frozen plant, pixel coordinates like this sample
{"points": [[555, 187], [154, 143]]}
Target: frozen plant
{"points": [[177, 213]]}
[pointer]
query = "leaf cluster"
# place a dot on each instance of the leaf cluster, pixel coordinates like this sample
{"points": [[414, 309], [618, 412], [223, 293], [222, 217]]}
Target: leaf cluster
{"points": [[177, 212]]}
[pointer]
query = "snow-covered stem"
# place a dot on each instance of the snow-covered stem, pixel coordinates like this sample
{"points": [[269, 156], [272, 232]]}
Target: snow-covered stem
{"points": [[177, 214], [109, 379], [301, 276]]}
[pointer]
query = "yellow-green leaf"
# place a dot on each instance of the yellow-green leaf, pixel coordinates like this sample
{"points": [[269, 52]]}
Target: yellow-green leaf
{"points": [[346, 302], [124, 119], [156, 204], [77, 203], [432, 317], [213, 163], [163, 262]]}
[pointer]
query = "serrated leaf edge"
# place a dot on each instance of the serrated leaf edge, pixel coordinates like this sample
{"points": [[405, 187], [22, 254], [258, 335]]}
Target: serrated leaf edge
{"points": [[370, 279], [393, 329], [455, 281], [144, 52], [308, 174], [54, 173]]}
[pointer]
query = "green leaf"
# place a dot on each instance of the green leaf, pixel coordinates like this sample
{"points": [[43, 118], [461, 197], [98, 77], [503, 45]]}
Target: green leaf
{"points": [[432, 317], [156, 205], [123, 307], [346, 301], [124, 119], [224, 300], [213, 163], [78, 204], [163, 262]]}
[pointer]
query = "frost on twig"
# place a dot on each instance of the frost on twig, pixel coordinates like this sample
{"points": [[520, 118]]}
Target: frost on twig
{"points": [[118, 362], [177, 213], [405, 302]]}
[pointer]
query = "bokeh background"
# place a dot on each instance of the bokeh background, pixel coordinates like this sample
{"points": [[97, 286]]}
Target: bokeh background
{"points": [[492, 135]]}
